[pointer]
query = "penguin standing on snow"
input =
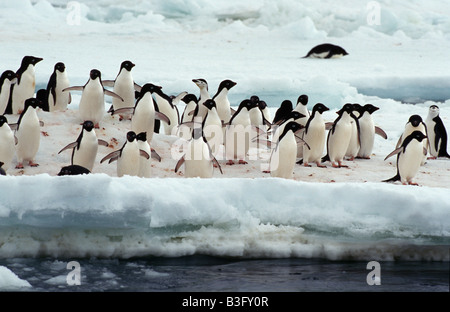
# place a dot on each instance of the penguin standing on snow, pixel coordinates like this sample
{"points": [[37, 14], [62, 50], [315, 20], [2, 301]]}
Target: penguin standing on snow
{"points": [[415, 123], [191, 107], [314, 136], [221, 100], [212, 127], [28, 134], [339, 137], [145, 164], [92, 102], [367, 131], [84, 149], [165, 105], [437, 135], [409, 158], [355, 140], [284, 155], [7, 79], [326, 51], [302, 108], [202, 84], [127, 157], [58, 100], [125, 87], [7, 143], [25, 86]]}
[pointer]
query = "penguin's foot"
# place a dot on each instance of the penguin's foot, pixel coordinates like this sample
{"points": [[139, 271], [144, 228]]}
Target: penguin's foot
{"points": [[97, 126], [363, 157], [306, 165], [411, 183], [230, 162], [339, 165], [266, 171], [19, 166], [432, 157], [33, 164], [320, 166], [242, 162]]}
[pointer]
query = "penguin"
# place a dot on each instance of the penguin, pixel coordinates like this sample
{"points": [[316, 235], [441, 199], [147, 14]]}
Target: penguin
{"points": [[302, 108], [202, 84], [237, 134], [145, 164], [28, 134], [212, 127], [25, 86], [7, 143], [127, 157], [339, 137], [278, 128], [314, 136], [198, 159], [58, 100], [285, 108], [73, 170], [125, 87], [144, 114], [284, 155], [367, 131], [191, 102], [7, 79], [409, 158], [437, 135], [84, 149], [414, 123], [355, 141], [265, 110], [92, 102], [2, 171], [326, 51], [222, 101], [166, 106]]}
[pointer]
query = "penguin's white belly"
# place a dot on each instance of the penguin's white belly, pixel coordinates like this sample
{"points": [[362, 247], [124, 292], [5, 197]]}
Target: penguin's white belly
{"points": [[125, 89], [92, 103], [86, 154], [283, 158], [410, 161], [315, 138], [171, 113], [367, 135], [339, 141], [145, 165], [23, 91], [197, 160], [28, 138], [224, 110], [143, 120], [213, 132], [128, 162], [237, 141], [353, 145], [62, 98], [431, 136], [7, 146]]}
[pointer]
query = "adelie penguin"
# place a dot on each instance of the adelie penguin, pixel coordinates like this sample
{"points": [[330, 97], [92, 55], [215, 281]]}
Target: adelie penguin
{"points": [[326, 51], [84, 149], [222, 101], [415, 123], [53, 98], [437, 135], [73, 170], [25, 86], [7, 79], [409, 158], [92, 102], [367, 131], [202, 84]]}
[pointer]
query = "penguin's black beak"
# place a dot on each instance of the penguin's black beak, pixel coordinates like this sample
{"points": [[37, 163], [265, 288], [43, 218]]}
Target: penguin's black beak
{"points": [[37, 60]]}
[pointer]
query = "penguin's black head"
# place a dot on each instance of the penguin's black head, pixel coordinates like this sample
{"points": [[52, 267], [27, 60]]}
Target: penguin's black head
{"points": [[149, 87], [7, 74], [189, 98], [370, 108], [292, 126], [131, 136], [246, 104], [347, 108], [32, 102], [254, 98], [88, 125], [415, 120], [60, 67], [3, 120], [418, 135], [30, 60], [228, 84], [357, 107], [73, 170], [94, 74], [286, 105], [128, 65], [303, 99], [320, 108], [142, 136], [433, 111], [262, 105], [210, 104]]}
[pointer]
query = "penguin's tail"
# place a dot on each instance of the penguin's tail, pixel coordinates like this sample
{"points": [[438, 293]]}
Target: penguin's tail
{"points": [[300, 162], [393, 179], [325, 158]]}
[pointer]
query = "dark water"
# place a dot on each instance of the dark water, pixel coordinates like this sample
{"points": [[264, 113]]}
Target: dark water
{"points": [[210, 274]]}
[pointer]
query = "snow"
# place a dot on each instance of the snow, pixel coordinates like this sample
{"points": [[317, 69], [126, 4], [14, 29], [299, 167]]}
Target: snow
{"points": [[400, 65], [9, 281]]}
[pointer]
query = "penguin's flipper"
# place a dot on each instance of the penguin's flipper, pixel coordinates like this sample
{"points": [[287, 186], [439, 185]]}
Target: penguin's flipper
{"points": [[395, 152], [108, 83], [74, 88], [137, 87], [301, 142], [111, 155], [399, 142], [68, 146], [110, 93], [13, 126], [70, 99], [329, 125], [380, 132], [163, 117], [144, 154], [123, 110], [265, 142], [176, 99], [113, 159], [103, 142], [217, 164], [155, 155], [179, 164], [393, 179], [425, 151]]}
